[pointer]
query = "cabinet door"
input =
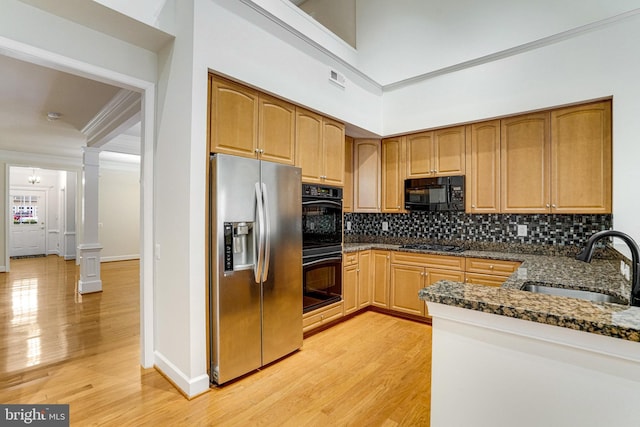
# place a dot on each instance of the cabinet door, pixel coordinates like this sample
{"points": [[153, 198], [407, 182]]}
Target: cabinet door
{"points": [[483, 168], [309, 151], [419, 155], [448, 151], [365, 285], [366, 191], [233, 118], [524, 164], [581, 159], [393, 174], [276, 130], [433, 275], [406, 282], [350, 288], [347, 191], [380, 278], [333, 146]]}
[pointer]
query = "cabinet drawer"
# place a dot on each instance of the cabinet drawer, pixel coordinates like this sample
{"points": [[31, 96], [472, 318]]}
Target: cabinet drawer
{"points": [[428, 260], [323, 315], [491, 266], [350, 258], [484, 279]]}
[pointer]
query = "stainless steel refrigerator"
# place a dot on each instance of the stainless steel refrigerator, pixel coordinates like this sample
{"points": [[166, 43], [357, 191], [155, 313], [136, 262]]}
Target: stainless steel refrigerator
{"points": [[256, 264]]}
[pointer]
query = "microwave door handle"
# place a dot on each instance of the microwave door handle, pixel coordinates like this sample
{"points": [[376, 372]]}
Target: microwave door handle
{"points": [[267, 234], [257, 266]]}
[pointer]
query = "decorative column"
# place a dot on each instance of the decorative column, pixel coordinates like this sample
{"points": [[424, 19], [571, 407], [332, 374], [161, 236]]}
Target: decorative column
{"points": [[89, 249]]}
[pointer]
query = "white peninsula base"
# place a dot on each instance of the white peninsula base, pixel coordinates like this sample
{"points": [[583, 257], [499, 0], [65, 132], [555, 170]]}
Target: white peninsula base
{"points": [[492, 370]]}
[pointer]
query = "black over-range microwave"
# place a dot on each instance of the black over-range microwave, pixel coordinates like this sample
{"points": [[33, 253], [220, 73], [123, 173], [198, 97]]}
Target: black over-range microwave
{"points": [[444, 193]]}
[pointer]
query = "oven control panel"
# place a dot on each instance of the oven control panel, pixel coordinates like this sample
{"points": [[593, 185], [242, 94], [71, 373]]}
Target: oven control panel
{"points": [[321, 191]]}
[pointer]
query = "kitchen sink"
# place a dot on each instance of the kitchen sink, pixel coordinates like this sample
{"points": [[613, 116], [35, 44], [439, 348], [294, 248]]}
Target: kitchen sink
{"points": [[540, 288]]}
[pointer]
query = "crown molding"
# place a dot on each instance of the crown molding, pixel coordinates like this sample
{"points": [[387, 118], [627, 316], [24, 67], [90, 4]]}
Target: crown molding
{"points": [[120, 113]]}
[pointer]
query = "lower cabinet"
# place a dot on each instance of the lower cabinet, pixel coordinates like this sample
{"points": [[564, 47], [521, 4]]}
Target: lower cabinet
{"points": [[356, 281], [380, 277], [411, 272], [488, 272], [322, 316]]}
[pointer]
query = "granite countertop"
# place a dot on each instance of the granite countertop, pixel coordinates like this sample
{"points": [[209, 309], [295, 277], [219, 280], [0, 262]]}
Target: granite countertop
{"points": [[601, 275]]}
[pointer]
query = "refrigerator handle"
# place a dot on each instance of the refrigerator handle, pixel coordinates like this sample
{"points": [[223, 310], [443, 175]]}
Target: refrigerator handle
{"points": [[267, 233], [257, 266]]}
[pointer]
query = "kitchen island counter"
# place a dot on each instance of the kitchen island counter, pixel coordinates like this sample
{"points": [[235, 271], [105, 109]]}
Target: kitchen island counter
{"points": [[601, 275]]}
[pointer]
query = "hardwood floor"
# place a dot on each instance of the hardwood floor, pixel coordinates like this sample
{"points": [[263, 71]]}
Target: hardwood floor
{"points": [[60, 347]]}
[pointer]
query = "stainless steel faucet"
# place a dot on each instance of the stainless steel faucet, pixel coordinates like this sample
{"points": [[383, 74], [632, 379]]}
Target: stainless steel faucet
{"points": [[587, 254]]}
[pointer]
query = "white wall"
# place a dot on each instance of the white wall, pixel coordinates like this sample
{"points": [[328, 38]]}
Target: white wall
{"points": [[119, 213], [236, 40], [597, 64], [406, 38]]}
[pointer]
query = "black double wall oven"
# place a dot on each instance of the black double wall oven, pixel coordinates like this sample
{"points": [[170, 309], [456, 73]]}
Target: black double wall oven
{"points": [[321, 245]]}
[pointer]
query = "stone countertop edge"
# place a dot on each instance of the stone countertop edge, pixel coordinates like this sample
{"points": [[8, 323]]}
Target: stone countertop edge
{"points": [[613, 320]]}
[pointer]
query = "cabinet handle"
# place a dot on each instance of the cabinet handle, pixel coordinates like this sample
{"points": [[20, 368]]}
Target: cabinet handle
{"points": [[473, 206], [491, 267], [554, 206], [548, 205]]}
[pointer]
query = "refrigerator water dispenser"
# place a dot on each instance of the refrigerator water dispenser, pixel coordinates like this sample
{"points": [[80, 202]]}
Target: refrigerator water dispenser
{"points": [[238, 246]]}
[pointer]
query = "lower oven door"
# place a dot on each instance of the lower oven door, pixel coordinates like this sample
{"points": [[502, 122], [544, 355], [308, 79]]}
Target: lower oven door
{"points": [[321, 280]]}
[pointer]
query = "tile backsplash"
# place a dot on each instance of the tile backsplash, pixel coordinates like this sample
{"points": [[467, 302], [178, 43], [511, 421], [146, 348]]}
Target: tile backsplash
{"points": [[554, 230]]}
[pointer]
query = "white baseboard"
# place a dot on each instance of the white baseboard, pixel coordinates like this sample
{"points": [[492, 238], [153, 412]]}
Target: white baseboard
{"points": [[119, 258], [191, 387], [3, 268], [69, 257]]}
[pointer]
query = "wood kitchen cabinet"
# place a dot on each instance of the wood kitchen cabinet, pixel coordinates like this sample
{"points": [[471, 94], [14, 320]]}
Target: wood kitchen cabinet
{"points": [[356, 281], [411, 272], [393, 174], [489, 272], [380, 269], [347, 191], [483, 167], [436, 153], [525, 162], [247, 123], [319, 148], [557, 161], [581, 159], [322, 316], [366, 177]]}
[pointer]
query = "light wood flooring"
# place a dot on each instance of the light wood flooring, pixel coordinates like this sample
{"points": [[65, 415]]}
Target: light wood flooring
{"points": [[59, 347]]}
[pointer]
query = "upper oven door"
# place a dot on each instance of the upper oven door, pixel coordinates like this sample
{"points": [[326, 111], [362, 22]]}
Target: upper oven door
{"points": [[321, 222]]}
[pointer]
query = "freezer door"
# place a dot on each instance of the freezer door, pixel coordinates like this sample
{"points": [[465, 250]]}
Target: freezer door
{"points": [[282, 285], [234, 295]]}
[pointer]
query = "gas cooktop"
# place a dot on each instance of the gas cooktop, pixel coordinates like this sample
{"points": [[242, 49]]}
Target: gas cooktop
{"points": [[433, 247]]}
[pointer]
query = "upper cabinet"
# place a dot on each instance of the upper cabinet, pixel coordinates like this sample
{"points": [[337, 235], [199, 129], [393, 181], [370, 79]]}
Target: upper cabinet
{"points": [[436, 153], [557, 161], [525, 156], [366, 177], [320, 148], [347, 192], [247, 123], [276, 130], [483, 167], [233, 117], [581, 159], [393, 174]]}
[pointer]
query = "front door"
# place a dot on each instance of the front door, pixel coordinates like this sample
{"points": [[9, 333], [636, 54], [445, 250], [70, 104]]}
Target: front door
{"points": [[28, 213]]}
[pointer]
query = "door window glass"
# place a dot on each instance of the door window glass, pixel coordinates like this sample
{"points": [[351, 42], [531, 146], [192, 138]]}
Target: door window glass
{"points": [[24, 209]]}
